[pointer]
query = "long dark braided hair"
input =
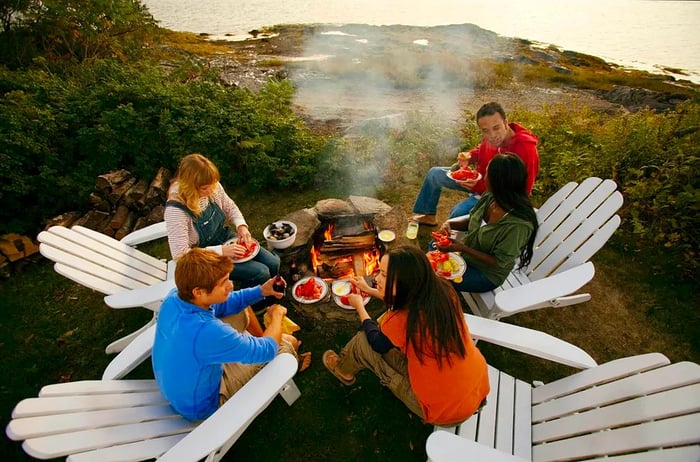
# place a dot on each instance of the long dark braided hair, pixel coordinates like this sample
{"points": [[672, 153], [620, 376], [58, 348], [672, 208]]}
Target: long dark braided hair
{"points": [[507, 178], [435, 325]]}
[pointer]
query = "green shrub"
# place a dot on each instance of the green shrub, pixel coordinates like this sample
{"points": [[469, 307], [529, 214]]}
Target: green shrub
{"points": [[58, 133], [652, 157]]}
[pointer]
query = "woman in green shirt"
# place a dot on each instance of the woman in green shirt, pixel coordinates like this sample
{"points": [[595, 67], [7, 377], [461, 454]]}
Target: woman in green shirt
{"points": [[500, 228]]}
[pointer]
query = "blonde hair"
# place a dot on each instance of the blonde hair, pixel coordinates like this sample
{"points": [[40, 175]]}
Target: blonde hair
{"points": [[195, 171], [200, 268]]}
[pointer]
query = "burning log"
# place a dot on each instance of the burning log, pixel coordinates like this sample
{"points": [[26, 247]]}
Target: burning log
{"points": [[349, 244]]}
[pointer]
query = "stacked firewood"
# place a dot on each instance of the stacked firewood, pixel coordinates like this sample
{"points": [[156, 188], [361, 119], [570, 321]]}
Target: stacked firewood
{"points": [[122, 203]]}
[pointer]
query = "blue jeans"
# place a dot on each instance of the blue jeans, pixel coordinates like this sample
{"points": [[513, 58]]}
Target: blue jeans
{"points": [[256, 271], [474, 280], [429, 194]]}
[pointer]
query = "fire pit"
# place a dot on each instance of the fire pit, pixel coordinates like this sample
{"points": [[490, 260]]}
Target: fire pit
{"points": [[337, 239], [346, 246]]}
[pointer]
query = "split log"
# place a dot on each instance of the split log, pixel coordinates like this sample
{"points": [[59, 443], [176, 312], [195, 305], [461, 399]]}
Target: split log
{"points": [[349, 244], [156, 215], [94, 220], [126, 226], [65, 219], [141, 222], [337, 269], [16, 246], [98, 202], [158, 189], [136, 195], [118, 190], [119, 217], [106, 181]]}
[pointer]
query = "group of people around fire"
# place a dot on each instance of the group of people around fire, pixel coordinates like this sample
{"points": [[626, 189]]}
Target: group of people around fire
{"points": [[209, 341]]}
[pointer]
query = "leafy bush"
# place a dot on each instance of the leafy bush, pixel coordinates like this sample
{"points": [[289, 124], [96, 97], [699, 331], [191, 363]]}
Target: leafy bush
{"points": [[58, 133], [652, 157]]}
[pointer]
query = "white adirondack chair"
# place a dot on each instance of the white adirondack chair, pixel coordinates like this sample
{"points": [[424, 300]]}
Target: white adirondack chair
{"points": [[639, 408], [145, 234], [575, 223], [106, 265], [129, 420]]}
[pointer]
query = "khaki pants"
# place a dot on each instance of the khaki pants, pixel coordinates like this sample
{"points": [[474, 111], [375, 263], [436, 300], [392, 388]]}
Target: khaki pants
{"points": [[236, 374], [391, 368]]}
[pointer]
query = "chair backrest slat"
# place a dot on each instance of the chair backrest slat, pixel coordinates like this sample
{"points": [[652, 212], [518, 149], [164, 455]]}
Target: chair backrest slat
{"points": [[44, 425], [662, 405], [573, 223], [78, 255], [607, 372], [121, 247], [645, 383], [86, 440], [676, 431]]}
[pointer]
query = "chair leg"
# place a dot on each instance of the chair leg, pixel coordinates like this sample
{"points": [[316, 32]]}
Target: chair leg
{"points": [[118, 345], [290, 392]]}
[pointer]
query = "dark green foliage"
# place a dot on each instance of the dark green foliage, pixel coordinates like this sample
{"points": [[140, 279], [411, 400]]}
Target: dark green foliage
{"points": [[70, 31], [57, 133], [652, 157]]}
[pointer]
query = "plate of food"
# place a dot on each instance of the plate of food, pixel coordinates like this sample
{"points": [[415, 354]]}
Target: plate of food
{"points": [[342, 288], [464, 174], [252, 250], [447, 265], [310, 289]]}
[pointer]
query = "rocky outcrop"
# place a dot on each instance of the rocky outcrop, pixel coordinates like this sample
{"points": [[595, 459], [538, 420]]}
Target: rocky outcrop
{"points": [[635, 99]]}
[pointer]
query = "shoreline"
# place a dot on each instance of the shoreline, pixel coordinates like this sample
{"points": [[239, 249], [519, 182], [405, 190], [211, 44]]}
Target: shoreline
{"points": [[353, 72]]}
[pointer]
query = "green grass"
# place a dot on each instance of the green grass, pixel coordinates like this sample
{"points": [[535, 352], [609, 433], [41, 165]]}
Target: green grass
{"points": [[52, 330]]}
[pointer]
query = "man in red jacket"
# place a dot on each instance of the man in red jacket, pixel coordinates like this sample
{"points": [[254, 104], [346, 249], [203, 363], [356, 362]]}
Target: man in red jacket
{"points": [[499, 136]]}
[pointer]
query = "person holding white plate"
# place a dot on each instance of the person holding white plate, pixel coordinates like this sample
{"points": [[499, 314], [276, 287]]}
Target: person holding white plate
{"points": [[196, 215], [500, 228], [420, 348], [499, 136]]}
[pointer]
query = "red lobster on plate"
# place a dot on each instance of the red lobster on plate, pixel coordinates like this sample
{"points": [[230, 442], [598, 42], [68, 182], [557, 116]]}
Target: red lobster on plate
{"points": [[443, 240], [309, 290]]}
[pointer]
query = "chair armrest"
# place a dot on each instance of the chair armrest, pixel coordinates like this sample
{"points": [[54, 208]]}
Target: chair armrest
{"points": [[529, 341], [229, 422], [145, 234], [539, 293], [448, 447], [136, 352], [140, 297]]}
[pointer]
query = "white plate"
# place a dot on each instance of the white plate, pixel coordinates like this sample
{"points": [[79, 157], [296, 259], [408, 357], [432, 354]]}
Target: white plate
{"points": [[449, 175], [248, 257], [337, 301], [341, 287], [460, 261], [386, 235], [307, 301]]}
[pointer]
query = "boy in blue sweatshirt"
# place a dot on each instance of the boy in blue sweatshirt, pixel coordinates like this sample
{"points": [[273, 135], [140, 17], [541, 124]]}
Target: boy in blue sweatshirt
{"points": [[200, 361]]}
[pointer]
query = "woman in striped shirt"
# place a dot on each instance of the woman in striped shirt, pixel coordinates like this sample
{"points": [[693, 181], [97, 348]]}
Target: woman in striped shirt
{"points": [[196, 215]]}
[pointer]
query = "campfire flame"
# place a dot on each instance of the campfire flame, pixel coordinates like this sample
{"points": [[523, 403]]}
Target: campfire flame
{"points": [[369, 258]]}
